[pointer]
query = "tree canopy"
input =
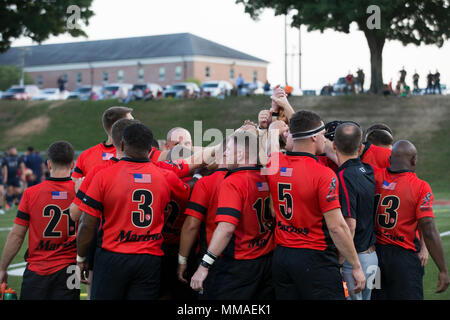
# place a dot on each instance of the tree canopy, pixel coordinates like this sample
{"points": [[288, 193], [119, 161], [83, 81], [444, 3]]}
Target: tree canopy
{"points": [[40, 19], [409, 21]]}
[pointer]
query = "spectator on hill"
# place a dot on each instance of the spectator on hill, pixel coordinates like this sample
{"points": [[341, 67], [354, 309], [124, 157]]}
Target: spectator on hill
{"points": [[239, 83], [361, 77], [403, 76], [437, 82], [61, 84], [430, 79], [416, 81], [267, 86]]}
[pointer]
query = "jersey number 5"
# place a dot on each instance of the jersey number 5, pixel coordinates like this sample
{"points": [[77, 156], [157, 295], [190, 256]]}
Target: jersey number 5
{"points": [[144, 217], [286, 209], [388, 218]]}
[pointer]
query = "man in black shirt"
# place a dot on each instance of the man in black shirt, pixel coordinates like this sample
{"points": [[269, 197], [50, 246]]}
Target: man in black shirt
{"points": [[10, 167], [356, 195]]}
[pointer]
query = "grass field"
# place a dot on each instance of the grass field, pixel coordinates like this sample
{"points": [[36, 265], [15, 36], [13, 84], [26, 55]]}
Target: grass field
{"points": [[442, 215]]}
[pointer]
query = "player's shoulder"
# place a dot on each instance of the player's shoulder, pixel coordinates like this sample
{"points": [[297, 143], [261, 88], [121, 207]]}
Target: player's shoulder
{"points": [[91, 150]]}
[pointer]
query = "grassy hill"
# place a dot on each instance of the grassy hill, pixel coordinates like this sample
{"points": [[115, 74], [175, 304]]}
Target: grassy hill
{"points": [[423, 120]]}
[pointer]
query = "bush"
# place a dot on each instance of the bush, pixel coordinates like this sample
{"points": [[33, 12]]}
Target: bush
{"points": [[10, 75]]}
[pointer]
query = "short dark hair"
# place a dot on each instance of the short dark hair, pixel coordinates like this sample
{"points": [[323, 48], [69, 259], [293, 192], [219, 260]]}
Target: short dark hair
{"points": [[380, 138], [61, 154], [111, 115], [31, 149], [155, 144], [304, 120], [118, 128], [379, 126], [138, 138], [348, 138]]}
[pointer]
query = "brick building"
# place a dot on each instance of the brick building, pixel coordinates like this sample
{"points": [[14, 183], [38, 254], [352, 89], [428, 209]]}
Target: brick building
{"points": [[162, 59]]}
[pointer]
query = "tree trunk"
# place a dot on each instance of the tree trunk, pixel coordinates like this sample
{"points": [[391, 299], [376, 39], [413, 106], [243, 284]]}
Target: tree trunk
{"points": [[376, 44]]}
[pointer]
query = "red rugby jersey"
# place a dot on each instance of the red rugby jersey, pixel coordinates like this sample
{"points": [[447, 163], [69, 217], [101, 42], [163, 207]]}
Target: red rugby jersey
{"points": [[88, 179], [244, 201], [92, 157], [377, 157], [154, 155], [130, 198], [44, 208], [401, 199], [179, 167], [203, 201], [327, 162], [302, 191], [174, 219]]}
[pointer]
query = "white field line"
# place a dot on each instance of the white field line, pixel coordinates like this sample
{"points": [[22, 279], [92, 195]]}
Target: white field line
{"points": [[5, 229], [446, 233]]}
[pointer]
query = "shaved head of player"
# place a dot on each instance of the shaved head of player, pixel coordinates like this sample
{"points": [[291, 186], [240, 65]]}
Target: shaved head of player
{"points": [[178, 136], [404, 212], [403, 156], [356, 195]]}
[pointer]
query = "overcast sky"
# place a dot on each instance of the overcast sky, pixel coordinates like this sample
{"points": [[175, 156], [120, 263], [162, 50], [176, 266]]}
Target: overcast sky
{"points": [[325, 56]]}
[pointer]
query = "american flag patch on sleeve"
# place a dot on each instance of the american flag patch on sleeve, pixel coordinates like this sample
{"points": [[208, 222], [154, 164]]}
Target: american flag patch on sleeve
{"points": [[142, 178], [286, 172], [59, 195], [107, 156], [262, 186]]}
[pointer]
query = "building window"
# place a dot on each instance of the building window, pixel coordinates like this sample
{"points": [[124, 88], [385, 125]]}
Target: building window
{"points": [[39, 81], [232, 74], [141, 74], [120, 75], [162, 73], [255, 76], [207, 72], [105, 76], [79, 78], [178, 71]]}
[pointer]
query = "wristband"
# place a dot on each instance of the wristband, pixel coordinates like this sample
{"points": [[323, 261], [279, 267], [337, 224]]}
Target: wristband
{"points": [[181, 259], [205, 264], [275, 114], [81, 259], [197, 176]]}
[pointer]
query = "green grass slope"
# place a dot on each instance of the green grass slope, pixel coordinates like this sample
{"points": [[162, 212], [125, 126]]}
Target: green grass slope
{"points": [[423, 120]]}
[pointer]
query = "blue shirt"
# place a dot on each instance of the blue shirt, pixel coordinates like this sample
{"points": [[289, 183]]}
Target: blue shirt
{"points": [[34, 162]]}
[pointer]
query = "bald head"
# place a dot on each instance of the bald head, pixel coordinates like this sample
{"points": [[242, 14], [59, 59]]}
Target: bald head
{"points": [[403, 156], [178, 136], [347, 139]]}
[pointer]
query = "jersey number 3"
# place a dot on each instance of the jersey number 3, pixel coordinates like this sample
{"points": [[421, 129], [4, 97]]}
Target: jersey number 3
{"points": [[387, 218], [144, 217]]}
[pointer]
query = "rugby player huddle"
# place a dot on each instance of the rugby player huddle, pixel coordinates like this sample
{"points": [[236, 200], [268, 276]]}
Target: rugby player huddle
{"points": [[290, 208]]}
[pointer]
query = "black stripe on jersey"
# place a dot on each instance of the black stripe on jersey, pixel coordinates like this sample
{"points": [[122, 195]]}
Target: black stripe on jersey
{"points": [[23, 215], [229, 212], [326, 233], [80, 195], [78, 170], [92, 203], [197, 207]]}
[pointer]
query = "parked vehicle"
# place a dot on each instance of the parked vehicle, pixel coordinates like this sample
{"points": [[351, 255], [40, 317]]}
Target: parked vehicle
{"points": [[51, 94], [251, 88], [182, 90], [85, 92], [155, 89], [340, 87], [114, 90], [20, 92], [217, 88]]}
